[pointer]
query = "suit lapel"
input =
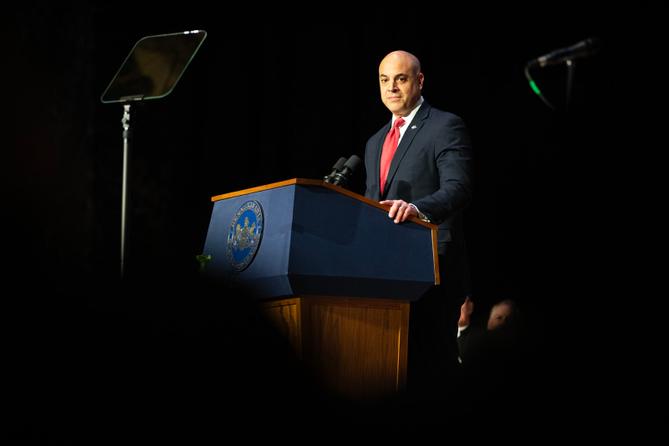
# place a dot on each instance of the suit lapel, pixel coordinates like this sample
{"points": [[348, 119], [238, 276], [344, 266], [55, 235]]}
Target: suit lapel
{"points": [[403, 148]]}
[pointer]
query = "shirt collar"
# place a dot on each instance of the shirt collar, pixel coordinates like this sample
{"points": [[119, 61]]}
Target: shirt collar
{"points": [[408, 118]]}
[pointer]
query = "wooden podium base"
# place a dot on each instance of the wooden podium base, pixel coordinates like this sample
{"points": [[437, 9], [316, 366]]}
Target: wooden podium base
{"points": [[356, 346]]}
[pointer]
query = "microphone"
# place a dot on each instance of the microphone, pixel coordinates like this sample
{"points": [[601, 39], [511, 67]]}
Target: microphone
{"points": [[341, 177], [336, 168], [584, 48]]}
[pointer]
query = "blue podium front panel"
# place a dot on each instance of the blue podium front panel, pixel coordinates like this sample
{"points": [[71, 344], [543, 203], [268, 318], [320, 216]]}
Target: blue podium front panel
{"points": [[315, 240], [348, 247], [267, 272]]}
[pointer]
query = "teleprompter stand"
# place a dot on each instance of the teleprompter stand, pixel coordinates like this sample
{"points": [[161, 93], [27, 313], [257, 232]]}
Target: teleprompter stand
{"points": [[150, 71]]}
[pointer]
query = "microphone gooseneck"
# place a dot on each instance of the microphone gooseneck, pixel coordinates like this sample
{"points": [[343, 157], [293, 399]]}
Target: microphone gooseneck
{"points": [[336, 168]]}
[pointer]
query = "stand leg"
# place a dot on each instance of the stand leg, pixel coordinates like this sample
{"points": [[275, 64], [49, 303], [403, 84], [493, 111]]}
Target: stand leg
{"points": [[570, 81], [124, 184]]}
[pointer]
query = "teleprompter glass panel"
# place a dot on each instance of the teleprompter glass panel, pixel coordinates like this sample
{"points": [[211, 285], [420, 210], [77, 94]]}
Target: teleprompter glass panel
{"points": [[153, 67]]}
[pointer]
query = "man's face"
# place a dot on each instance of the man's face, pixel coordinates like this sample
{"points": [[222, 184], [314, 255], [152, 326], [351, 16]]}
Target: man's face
{"points": [[400, 84], [498, 316]]}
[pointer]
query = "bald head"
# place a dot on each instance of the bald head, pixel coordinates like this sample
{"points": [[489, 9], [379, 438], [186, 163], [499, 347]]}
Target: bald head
{"points": [[401, 82], [402, 57]]}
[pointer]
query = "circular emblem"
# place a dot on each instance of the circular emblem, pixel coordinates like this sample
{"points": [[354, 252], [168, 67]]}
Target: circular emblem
{"points": [[245, 235]]}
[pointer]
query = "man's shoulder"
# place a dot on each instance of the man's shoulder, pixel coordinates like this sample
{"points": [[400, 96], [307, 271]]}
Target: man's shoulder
{"points": [[441, 115]]}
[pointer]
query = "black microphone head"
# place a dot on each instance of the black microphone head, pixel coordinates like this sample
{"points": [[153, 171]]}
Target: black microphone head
{"points": [[584, 48], [352, 163], [340, 178], [339, 164], [593, 42]]}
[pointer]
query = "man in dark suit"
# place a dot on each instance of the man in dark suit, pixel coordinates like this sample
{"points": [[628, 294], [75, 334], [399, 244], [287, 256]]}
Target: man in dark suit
{"points": [[420, 165]]}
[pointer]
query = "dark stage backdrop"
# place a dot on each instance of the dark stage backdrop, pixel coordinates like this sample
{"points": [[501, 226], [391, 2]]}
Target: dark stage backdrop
{"points": [[267, 100]]}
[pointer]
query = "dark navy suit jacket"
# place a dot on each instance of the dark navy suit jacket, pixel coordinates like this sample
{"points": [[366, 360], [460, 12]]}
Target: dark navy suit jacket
{"points": [[432, 168]]}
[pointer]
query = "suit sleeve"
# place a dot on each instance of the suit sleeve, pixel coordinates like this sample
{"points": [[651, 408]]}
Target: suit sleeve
{"points": [[453, 158]]}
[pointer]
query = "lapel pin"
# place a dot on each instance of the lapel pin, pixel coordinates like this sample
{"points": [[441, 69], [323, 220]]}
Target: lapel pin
{"points": [[413, 127]]}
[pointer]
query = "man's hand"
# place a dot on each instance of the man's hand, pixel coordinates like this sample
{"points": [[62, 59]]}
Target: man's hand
{"points": [[466, 310], [400, 210]]}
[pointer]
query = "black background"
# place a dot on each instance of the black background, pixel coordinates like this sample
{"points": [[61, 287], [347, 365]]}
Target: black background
{"points": [[271, 96]]}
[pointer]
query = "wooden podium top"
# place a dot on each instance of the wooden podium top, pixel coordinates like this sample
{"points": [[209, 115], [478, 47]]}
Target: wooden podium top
{"points": [[318, 183]]}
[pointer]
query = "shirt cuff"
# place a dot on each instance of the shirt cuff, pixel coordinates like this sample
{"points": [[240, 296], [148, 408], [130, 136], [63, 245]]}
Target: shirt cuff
{"points": [[420, 214], [461, 329]]}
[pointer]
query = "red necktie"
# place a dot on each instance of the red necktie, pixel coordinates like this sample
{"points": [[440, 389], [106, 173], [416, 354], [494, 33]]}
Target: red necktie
{"points": [[389, 148]]}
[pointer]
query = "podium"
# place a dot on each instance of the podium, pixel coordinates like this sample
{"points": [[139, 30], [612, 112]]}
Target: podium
{"points": [[332, 271]]}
